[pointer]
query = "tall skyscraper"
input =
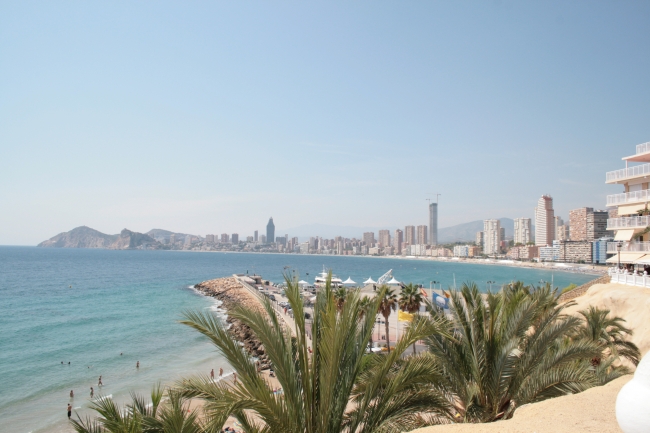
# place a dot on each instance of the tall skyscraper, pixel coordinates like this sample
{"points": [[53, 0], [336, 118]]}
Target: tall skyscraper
{"points": [[433, 223], [369, 239], [588, 225], [384, 238], [491, 236], [409, 235], [225, 238], [270, 231], [544, 221], [255, 236], [522, 231], [235, 238], [422, 235], [398, 240]]}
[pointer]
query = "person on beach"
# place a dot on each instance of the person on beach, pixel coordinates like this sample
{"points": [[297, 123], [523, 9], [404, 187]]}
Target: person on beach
{"points": [[137, 364], [212, 374], [92, 392], [69, 410], [71, 394], [100, 381], [234, 375], [220, 372]]}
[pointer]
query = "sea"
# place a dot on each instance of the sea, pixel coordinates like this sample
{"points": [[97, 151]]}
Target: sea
{"points": [[68, 316]]}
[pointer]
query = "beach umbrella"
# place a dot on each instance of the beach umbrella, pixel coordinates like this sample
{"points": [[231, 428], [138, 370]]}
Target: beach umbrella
{"points": [[349, 282], [303, 283], [369, 281], [393, 281]]}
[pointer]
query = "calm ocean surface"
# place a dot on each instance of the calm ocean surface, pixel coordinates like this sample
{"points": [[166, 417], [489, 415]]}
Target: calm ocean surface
{"points": [[130, 302]]}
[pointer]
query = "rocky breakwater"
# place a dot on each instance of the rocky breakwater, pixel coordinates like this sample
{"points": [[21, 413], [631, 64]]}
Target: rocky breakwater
{"points": [[233, 294]]}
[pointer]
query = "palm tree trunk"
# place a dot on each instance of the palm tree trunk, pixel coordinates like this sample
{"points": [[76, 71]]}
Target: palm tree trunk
{"points": [[387, 336]]}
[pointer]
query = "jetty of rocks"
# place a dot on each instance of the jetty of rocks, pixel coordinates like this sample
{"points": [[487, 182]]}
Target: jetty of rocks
{"points": [[232, 294]]}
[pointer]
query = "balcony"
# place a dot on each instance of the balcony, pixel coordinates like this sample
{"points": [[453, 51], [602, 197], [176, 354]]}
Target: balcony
{"points": [[643, 148], [635, 247], [638, 222], [628, 173], [628, 197]]}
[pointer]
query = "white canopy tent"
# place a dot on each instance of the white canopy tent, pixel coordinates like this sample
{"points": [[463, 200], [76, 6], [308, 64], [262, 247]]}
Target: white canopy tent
{"points": [[369, 281], [303, 283], [393, 281], [349, 282]]}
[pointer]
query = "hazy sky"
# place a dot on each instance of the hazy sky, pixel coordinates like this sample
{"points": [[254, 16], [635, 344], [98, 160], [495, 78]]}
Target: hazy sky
{"points": [[209, 117]]}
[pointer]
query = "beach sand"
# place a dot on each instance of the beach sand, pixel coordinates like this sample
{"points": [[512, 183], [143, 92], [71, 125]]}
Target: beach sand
{"points": [[589, 411]]}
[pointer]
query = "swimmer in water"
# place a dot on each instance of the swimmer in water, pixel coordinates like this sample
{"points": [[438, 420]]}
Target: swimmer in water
{"points": [[212, 374], [100, 381], [137, 364], [92, 392], [71, 394]]}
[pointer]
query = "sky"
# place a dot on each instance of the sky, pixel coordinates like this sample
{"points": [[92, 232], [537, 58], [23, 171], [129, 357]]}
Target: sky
{"points": [[210, 117]]}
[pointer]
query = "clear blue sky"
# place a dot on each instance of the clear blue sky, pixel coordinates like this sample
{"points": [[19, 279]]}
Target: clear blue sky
{"points": [[209, 117]]}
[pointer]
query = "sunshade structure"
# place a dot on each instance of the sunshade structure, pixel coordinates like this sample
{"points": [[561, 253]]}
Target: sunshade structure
{"points": [[349, 282], [369, 281], [393, 281], [303, 283]]}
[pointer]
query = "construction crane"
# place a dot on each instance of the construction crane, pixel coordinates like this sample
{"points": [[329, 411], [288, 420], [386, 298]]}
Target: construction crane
{"points": [[385, 278]]}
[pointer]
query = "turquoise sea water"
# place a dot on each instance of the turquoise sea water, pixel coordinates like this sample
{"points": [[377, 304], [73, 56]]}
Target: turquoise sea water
{"points": [[130, 302]]}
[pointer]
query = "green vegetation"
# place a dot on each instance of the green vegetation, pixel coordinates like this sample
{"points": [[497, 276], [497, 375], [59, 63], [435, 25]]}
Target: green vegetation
{"points": [[488, 354], [569, 288]]}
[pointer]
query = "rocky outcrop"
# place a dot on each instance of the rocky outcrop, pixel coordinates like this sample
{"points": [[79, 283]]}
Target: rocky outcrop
{"points": [[85, 237], [232, 294]]}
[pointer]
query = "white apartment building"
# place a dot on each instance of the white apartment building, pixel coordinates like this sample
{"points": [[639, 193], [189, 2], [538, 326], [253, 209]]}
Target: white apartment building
{"points": [[461, 251], [544, 221], [522, 231], [550, 253], [491, 236]]}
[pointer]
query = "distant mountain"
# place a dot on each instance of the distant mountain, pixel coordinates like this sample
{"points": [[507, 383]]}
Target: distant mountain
{"points": [[467, 232], [85, 237]]}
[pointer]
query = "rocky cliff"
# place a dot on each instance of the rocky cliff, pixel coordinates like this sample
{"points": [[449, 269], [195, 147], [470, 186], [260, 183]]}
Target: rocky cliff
{"points": [[85, 237]]}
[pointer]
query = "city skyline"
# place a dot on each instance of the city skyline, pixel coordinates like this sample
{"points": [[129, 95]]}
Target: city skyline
{"points": [[233, 108]]}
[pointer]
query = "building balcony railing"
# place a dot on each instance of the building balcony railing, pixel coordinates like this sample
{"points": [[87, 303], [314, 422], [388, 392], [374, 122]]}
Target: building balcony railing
{"points": [[629, 197], [643, 148], [628, 222], [630, 280], [639, 247], [627, 173]]}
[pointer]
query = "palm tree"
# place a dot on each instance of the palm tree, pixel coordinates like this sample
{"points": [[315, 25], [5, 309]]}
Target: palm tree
{"points": [[339, 297], [317, 387], [387, 303], [410, 300], [609, 334], [509, 348], [172, 416]]}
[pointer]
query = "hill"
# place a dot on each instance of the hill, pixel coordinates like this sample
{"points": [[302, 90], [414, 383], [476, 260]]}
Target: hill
{"points": [[85, 237], [466, 232]]}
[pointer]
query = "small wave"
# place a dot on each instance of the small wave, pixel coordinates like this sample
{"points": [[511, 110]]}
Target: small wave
{"points": [[77, 407]]}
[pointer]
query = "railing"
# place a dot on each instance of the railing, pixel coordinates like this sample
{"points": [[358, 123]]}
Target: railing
{"points": [[624, 173], [630, 280], [628, 247], [643, 148], [628, 222], [628, 197]]}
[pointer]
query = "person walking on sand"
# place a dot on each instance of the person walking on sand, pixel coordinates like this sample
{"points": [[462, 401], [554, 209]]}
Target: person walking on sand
{"points": [[92, 392], [100, 381], [71, 394], [69, 410], [220, 372], [212, 374], [234, 375]]}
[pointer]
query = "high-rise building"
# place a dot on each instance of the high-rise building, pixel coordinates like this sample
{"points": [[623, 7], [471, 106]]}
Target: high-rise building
{"points": [[544, 221], [578, 223], [235, 238], [502, 234], [209, 239], [491, 236], [270, 231], [384, 238], [422, 235], [597, 225], [433, 223], [369, 239], [255, 236], [480, 239], [225, 238], [263, 239], [409, 235], [522, 231], [562, 232], [398, 240], [588, 225]]}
